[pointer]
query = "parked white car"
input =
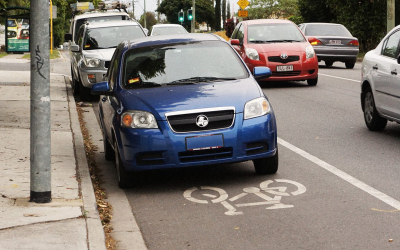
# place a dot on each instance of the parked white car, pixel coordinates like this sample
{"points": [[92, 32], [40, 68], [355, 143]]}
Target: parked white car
{"points": [[380, 85]]}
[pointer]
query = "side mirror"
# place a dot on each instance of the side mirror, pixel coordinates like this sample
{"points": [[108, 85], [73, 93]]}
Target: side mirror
{"points": [[101, 88], [235, 42], [74, 48], [261, 72], [68, 37]]}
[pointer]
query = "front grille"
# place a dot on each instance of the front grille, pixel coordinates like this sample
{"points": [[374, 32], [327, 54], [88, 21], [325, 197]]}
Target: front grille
{"points": [[256, 148], [286, 73], [149, 158], [183, 123], [205, 155], [280, 60]]}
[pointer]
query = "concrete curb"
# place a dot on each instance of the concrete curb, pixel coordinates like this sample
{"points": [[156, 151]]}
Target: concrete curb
{"points": [[95, 231]]}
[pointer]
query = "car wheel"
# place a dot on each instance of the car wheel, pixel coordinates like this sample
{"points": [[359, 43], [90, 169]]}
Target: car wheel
{"points": [[328, 63], [84, 93], [268, 165], [75, 84], [350, 64], [372, 119], [124, 177], [312, 82]]}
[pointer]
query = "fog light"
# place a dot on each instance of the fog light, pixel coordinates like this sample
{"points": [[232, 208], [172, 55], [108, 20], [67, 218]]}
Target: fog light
{"points": [[92, 78]]}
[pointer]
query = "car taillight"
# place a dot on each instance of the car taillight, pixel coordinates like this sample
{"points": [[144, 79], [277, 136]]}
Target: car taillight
{"points": [[314, 41], [354, 42]]}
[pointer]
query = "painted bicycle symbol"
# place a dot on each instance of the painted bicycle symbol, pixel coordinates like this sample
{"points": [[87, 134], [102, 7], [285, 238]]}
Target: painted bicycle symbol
{"points": [[232, 204]]}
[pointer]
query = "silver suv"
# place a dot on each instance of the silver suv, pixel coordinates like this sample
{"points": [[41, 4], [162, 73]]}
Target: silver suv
{"points": [[92, 49], [380, 85]]}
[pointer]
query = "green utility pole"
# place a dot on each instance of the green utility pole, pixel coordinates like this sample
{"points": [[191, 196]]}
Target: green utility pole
{"points": [[390, 15]]}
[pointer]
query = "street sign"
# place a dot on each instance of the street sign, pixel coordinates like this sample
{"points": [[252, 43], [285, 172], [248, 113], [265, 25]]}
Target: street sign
{"points": [[243, 13], [243, 4]]}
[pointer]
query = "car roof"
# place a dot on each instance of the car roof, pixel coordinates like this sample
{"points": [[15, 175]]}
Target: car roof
{"points": [[170, 39], [316, 23], [94, 25], [262, 21], [98, 14], [167, 25]]}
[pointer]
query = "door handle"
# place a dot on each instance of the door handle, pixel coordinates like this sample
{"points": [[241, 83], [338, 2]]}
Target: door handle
{"points": [[393, 72], [375, 66]]}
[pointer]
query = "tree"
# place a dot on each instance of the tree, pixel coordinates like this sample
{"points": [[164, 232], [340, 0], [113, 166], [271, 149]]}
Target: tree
{"points": [[223, 8], [217, 20], [315, 11], [150, 20], [204, 10], [272, 9], [228, 10]]}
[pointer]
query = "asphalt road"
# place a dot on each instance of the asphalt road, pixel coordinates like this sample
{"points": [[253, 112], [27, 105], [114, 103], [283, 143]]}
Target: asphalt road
{"points": [[337, 186]]}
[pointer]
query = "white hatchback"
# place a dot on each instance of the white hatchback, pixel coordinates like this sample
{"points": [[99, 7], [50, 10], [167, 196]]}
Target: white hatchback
{"points": [[380, 85]]}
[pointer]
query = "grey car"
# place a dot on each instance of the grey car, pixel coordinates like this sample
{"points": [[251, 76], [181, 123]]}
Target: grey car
{"points": [[332, 42], [92, 50]]}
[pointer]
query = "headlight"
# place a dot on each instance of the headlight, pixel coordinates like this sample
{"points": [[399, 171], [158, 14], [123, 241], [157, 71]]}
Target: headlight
{"points": [[92, 62], [309, 52], [252, 54], [256, 107], [138, 119]]}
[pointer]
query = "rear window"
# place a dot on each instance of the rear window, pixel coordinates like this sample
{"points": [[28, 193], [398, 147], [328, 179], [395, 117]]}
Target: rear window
{"points": [[326, 30], [168, 30], [110, 37], [160, 65], [79, 22]]}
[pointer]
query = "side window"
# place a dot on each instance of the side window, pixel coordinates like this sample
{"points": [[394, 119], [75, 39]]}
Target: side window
{"points": [[113, 71], [240, 34], [79, 36], [234, 34], [390, 47]]}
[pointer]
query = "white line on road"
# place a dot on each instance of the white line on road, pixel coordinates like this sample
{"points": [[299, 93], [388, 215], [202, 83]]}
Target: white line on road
{"points": [[339, 77], [361, 185]]}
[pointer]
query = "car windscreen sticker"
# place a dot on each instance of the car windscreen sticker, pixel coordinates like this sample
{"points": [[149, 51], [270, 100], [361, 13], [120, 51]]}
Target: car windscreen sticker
{"points": [[133, 80], [87, 46]]}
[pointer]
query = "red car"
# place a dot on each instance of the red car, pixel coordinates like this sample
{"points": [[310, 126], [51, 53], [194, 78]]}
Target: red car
{"points": [[279, 45]]}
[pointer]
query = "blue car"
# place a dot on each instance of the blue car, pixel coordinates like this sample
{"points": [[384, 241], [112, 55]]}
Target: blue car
{"points": [[182, 101]]}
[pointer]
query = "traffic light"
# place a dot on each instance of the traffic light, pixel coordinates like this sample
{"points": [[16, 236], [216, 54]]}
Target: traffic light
{"points": [[180, 16], [190, 14]]}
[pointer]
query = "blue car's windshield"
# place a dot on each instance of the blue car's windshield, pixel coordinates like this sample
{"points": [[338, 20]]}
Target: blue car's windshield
{"points": [[181, 64]]}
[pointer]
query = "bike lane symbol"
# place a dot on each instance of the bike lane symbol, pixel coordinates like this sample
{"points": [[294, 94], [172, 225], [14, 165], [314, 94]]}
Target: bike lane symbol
{"points": [[272, 202]]}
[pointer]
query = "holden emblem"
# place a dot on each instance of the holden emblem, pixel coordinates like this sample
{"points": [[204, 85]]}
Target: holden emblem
{"points": [[284, 56], [202, 121]]}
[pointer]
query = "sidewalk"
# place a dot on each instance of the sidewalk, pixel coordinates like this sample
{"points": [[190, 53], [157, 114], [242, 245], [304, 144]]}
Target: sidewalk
{"points": [[71, 220]]}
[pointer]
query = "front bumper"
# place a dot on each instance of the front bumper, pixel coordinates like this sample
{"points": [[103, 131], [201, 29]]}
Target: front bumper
{"points": [[145, 149], [90, 76]]}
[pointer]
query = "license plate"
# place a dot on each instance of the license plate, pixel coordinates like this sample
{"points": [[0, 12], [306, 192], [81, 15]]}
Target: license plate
{"points": [[335, 41], [204, 142], [284, 68]]}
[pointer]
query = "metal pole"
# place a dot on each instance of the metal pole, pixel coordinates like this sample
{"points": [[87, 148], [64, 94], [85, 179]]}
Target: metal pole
{"points": [[158, 13], [40, 150], [390, 15], [193, 27], [51, 27], [145, 16]]}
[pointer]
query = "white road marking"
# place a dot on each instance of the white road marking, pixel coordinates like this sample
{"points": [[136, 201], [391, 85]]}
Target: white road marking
{"points": [[361, 185], [347, 79]]}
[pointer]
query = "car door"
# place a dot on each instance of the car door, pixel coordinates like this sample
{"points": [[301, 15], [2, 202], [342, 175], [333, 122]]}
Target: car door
{"points": [[387, 77], [109, 104]]}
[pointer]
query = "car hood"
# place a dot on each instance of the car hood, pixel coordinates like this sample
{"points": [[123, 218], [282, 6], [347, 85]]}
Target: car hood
{"points": [[103, 54], [279, 48], [160, 100]]}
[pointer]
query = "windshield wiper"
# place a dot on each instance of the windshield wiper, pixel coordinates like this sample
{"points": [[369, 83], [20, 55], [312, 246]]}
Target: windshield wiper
{"points": [[200, 79], [282, 41], [112, 47], [258, 41]]}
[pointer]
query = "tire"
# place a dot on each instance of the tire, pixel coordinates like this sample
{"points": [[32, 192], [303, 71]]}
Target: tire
{"points": [[124, 177], [328, 63], [312, 82], [109, 153], [84, 93], [268, 165], [350, 64], [75, 84], [372, 118]]}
